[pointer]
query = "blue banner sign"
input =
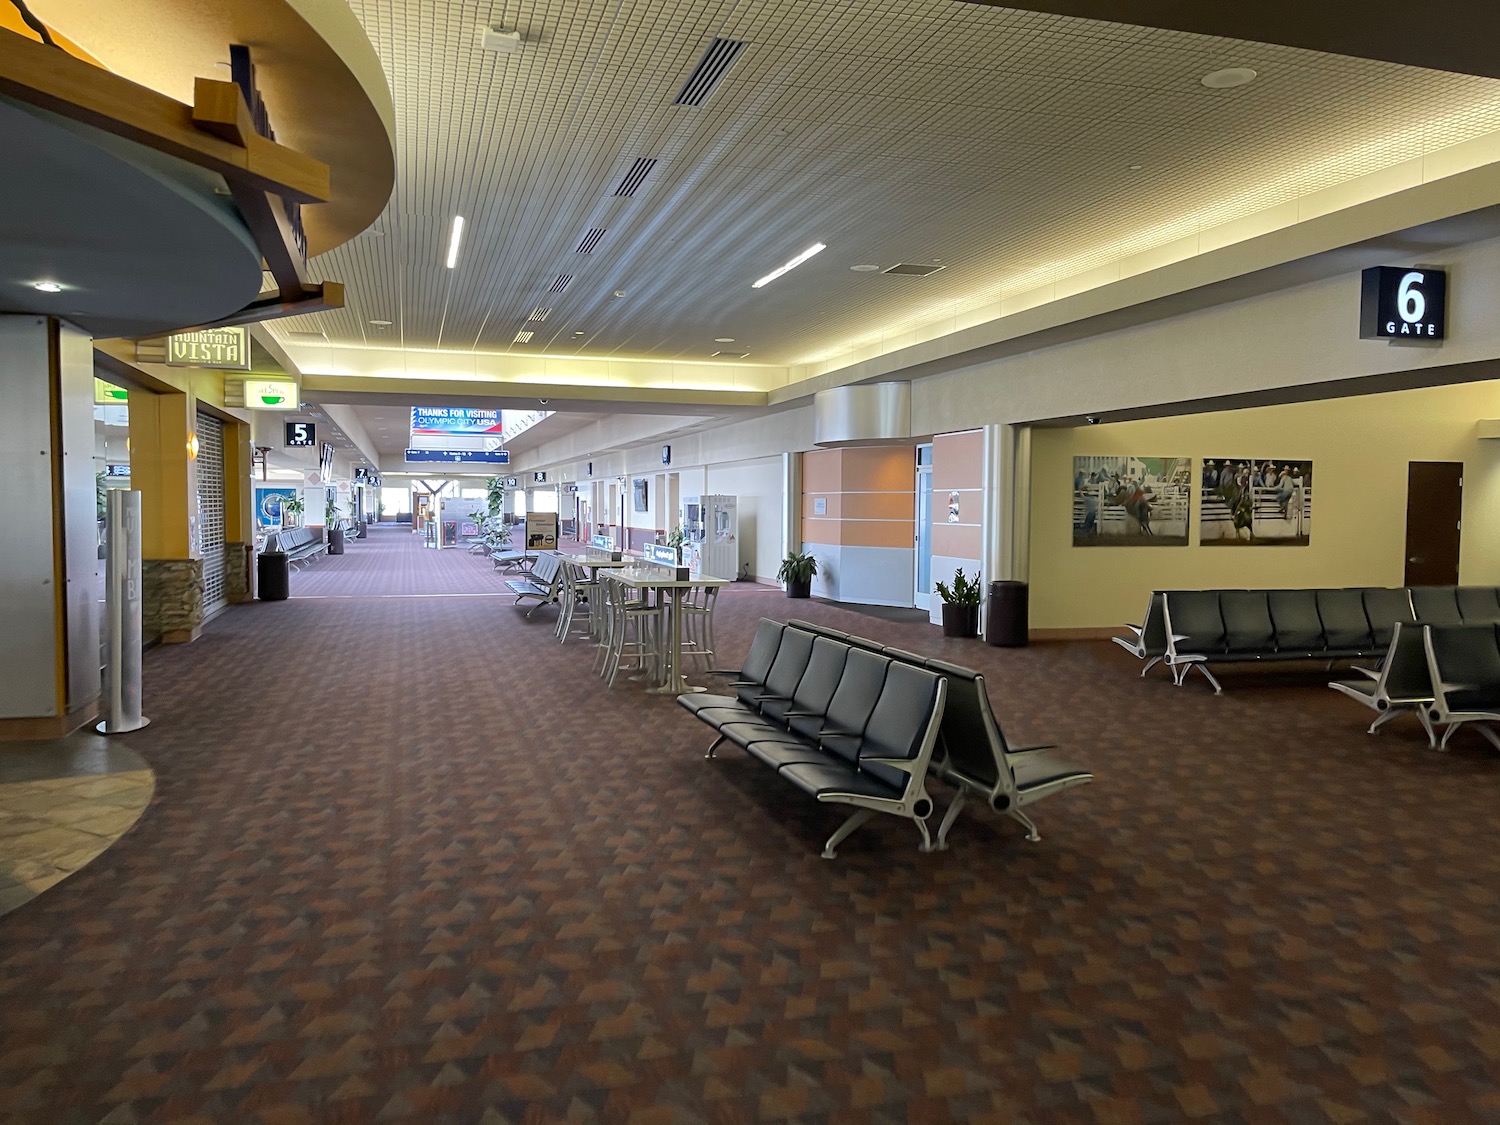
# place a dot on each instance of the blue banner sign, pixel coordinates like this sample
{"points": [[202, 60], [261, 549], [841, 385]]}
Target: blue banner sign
{"points": [[460, 456], [661, 554], [603, 542]]}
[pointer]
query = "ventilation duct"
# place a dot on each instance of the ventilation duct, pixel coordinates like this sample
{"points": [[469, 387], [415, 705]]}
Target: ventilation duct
{"points": [[863, 414], [563, 281], [716, 62], [636, 176], [590, 240]]}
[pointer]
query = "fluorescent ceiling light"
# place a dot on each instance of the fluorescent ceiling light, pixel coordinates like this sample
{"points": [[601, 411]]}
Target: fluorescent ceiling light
{"points": [[48, 287], [454, 239], [793, 264]]}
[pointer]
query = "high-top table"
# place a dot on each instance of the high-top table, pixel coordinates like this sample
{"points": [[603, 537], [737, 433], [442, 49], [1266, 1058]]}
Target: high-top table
{"points": [[595, 561], [656, 578]]}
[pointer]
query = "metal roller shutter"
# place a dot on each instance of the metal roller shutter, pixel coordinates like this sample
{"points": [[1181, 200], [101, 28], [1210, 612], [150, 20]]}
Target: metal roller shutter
{"points": [[211, 510]]}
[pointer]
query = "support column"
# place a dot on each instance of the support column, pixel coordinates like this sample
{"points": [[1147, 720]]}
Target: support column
{"points": [[162, 467], [791, 503], [1007, 486], [49, 583], [239, 513]]}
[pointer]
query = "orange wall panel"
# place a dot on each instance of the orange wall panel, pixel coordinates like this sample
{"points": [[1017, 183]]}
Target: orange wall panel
{"points": [[957, 541], [822, 531], [958, 460], [878, 533], [822, 471], [876, 506], [880, 469]]}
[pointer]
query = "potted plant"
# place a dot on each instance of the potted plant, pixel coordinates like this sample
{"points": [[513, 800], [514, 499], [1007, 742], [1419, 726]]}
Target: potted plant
{"points": [[960, 605], [333, 531], [796, 573], [292, 507]]}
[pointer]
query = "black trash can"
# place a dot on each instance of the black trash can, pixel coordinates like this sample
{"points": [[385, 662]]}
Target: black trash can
{"points": [[1010, 615], [273, 576], [335, 537]]}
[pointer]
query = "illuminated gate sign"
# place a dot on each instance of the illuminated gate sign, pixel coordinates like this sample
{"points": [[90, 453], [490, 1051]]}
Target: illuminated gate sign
{"points": [[1398, 303], [227, 349]]}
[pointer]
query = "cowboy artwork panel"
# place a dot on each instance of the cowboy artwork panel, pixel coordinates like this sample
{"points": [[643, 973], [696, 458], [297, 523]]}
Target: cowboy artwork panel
{"points": [[1131, 501], [1255, 502]]}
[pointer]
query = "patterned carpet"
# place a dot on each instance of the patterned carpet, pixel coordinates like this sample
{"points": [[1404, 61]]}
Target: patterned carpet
{"points": [[407, 861], [391, 562]]}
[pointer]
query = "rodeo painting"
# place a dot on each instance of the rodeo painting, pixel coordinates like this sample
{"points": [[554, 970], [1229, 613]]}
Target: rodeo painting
{"points": [[1131, 501], [1255, 502]]}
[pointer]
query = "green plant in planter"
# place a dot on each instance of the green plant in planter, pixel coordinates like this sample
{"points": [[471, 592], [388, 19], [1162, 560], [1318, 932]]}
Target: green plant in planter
{"points": [[796, 572], [960, 605], [331, 512], [677, 536], [294, 508], [964, 591]]}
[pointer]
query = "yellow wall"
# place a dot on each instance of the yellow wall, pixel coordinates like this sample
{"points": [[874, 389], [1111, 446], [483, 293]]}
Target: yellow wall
{"points": [[1360, 448]]}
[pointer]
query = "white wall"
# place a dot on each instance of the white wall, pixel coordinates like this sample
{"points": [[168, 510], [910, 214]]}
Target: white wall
{"points": [[757, 485]]}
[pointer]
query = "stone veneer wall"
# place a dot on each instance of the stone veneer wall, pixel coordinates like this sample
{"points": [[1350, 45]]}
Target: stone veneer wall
{"points": [[236, 573], [171, 596]]}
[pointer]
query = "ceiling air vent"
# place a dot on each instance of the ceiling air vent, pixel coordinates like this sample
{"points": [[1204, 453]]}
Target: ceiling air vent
{"points": [[913, 269], [590, 240], [563, 281], [540, 313], [523, 337], [636, 176], [721, 55]]}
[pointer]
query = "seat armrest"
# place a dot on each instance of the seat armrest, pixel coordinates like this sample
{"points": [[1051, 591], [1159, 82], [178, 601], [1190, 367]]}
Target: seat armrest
{"points": [[771, 695], [827, 732], [800, 714]]}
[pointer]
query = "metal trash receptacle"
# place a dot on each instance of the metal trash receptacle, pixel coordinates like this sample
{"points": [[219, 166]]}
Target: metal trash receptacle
{"points": [[1009, 619], [273, 576]]}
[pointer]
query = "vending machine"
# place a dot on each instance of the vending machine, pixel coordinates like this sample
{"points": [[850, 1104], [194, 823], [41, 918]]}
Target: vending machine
{"points": [[712, 545]]}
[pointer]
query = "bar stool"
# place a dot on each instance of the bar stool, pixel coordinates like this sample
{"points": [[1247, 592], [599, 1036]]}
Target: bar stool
{"points": [[698, 624], [577, 591], [633, 633]]}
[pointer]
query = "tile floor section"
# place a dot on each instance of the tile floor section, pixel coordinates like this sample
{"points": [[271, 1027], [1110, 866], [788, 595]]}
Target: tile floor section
{"points": [[61, 804]]}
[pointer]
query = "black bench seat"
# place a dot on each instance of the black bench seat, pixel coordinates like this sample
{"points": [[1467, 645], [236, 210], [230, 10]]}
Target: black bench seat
{"points": [[300, 545], [849, 721], [542, 585]]}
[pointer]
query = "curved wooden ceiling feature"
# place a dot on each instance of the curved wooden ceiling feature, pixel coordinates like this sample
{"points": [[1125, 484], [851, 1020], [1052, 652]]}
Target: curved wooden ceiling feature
{"points": [[136, 241], [321, 79]]}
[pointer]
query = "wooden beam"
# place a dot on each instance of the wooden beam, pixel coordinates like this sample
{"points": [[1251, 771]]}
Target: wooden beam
{"points": [[219, 108], [271, 227], [323, 297], [53, 80]]}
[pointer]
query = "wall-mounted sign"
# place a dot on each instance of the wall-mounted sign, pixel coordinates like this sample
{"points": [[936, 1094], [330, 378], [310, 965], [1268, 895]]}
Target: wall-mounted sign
{"points": [[572, 488], [511, 482], [301, 434], [459, 456], [666, 455], [539, 478], [269, 394], [117, 470], [589, 469], [1403, 304], [225, 349], [107, 394], [820, 505]]}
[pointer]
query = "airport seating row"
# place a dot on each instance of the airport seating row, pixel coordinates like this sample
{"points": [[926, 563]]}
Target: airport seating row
{"points": [[300, 545], [852, 722], [1447, 675], [1188, 629], [542, 585]]}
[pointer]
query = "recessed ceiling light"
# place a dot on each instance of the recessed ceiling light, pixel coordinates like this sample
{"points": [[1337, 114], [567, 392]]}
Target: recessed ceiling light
{"points": [[815, 248], [47, 287], [723, 339], [1135, 168], [578, 333], [1229, 78], [864, 267], [381, 323], [619, 292]]}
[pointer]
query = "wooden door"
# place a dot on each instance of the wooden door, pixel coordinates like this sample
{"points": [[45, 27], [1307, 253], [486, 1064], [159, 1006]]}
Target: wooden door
{"points": [[1434, 510]]}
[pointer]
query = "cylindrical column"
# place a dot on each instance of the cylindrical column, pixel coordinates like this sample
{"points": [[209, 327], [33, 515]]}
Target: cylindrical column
{"points": [[122, 600]]}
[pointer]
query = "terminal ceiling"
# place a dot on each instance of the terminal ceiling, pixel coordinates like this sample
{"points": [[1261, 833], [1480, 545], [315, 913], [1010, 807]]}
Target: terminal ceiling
{"points": [[1009, 147]]}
